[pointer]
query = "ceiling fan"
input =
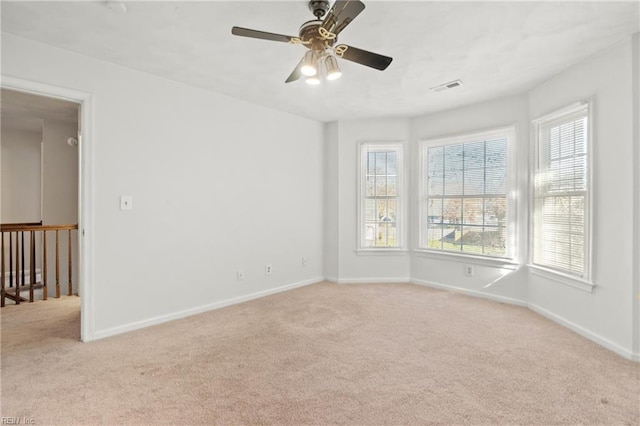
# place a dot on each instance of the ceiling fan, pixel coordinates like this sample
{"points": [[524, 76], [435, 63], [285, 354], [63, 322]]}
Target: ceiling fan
{"points": [[320, 37]]}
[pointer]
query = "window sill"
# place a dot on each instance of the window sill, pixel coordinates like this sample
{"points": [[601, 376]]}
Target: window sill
{"points": [[561, 278], [381, 252], [495, 262]]}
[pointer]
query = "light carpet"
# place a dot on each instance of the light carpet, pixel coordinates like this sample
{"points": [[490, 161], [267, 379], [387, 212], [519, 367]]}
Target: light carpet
{"points": [[321, 354]]}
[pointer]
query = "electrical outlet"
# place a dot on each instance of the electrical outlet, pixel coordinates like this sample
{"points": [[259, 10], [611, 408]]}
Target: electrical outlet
{"points": [[126, 202], [468, 270], [267, 269], [240, 275], [304, 261]]}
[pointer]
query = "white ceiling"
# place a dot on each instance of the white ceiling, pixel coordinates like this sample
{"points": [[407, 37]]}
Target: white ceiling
{"points": [[25, 112], [495, 48]]}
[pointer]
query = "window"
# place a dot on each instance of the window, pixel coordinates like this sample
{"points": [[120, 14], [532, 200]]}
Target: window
{"points": [[561, 193], [380, 196], [464, 187]]}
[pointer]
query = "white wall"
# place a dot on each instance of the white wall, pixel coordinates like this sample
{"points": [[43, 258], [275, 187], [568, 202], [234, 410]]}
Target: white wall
{"points": [[21, 175], [353, 266], [331, 230], [60, 169], [635, 75], [604, 315], [20, 186], [60, 198], [218, 185]]}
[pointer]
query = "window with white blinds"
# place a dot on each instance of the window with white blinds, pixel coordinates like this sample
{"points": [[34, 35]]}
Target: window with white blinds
{"points": [[464, 195], [561, 193], [381, 201]]}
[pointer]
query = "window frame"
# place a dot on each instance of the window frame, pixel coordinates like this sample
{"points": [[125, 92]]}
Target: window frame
{"points": [[364, 148], [558, 117], [511, 220]]}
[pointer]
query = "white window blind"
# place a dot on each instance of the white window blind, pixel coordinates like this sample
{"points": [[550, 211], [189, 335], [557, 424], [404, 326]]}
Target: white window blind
{"points": [[464, 199], [560, 226], [381, 201]]}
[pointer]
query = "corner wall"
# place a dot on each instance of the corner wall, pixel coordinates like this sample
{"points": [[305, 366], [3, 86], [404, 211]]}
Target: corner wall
{"points": [[606, 314], [354, 266], [331, 205]]}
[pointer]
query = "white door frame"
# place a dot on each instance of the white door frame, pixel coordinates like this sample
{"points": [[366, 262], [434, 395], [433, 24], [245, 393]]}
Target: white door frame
{"points": [[85, 188]]}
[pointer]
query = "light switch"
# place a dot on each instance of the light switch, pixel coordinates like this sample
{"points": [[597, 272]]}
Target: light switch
{"points": [[126, 202]]}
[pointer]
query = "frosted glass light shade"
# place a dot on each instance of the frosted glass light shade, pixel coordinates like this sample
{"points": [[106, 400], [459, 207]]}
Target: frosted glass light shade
{"points": [[309, 66], [333, 70]]}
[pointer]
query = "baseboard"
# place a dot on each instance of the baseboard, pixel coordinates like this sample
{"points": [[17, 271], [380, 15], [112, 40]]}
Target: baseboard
{"points": [[331, 279], [608, 344], [372, 280], [199, 309], [494, 297]]}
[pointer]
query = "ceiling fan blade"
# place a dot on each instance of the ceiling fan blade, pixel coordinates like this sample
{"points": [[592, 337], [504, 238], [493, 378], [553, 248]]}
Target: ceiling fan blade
{"points": [[263, 35], [296, 73], [341, 14], [369, 59]]}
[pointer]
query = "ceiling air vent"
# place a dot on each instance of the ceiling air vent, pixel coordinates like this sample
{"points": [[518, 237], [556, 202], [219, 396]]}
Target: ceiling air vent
{"points": [[445, 86]]}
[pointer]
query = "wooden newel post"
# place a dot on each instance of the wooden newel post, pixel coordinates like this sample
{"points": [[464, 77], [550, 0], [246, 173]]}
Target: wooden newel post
{"points": [[10, 259], [70, 288], [32, 264], [44, 265], [57, 265], [17, 269]]}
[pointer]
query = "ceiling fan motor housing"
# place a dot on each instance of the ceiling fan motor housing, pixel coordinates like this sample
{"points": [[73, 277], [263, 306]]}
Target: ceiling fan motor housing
{"points": [[310, 35], [318, 7]]}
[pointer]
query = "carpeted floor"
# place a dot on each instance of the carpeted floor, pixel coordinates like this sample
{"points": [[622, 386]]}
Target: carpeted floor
{"points": [[321, 354]]}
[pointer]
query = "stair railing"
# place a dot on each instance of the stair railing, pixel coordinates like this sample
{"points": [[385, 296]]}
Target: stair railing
{"points": [[13, 242]]}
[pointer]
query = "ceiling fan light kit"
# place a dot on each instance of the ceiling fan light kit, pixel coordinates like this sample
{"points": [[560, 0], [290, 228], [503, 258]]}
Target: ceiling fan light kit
{"points": [[333, 70], [313, 68], [320, 37], [309, 64]]}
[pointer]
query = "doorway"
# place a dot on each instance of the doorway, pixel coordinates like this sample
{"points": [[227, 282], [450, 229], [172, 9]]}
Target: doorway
{"points": [[56, 191]]}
